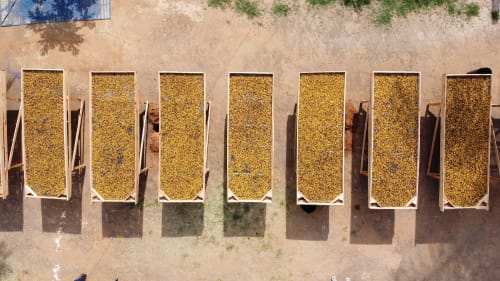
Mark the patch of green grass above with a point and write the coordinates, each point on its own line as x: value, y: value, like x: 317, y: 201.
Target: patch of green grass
x: 222, y: 4
x: 279, y: 253
x: 401, y: 8
x: 452, y: 9
x: 471, y: 10
x: 384, y: 18
x: 230, y: 247
x: 247, y: 7
x: 320, y: 2
x: 280, y: 9
x: 356, y: 4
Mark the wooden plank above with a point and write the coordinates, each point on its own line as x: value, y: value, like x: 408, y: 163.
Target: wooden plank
x: 4, y: 178
x: 114, y: 136
x: 182, y: 137
x: 465, y: 132
x: 320, y: 138
x: 46, y: 148
x: 250, y: 128
x: 394, y: 129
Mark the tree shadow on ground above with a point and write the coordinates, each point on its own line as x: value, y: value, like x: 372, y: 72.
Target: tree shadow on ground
x: 241, y: 219
x: 65, y: 36
x: 299, y: 224
x: 368, y: 226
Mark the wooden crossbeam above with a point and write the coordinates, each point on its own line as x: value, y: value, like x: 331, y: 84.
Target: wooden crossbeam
x: 365, y: 137
x: 14, y: 140
x: 434, y: 138
x: 78, y: 142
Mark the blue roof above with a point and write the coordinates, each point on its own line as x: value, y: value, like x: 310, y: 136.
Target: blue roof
x: 19, y: 12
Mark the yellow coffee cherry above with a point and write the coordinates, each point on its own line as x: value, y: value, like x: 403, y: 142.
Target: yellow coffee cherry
x: 250, y: 135
x: 182, y: 135
x: 113, y: 134
x: 320, y: 131
x: 466, y: 139
x: 395, y: 116
x: 44, y: 132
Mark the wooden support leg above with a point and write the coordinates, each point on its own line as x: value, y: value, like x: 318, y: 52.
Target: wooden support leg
x: 434, y: 138
x: 142, y: 154
x: 14, y: 140
x: 365, y: 136
x: 77, y: 144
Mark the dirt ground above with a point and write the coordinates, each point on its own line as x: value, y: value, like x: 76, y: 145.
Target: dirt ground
x: 57, y: 240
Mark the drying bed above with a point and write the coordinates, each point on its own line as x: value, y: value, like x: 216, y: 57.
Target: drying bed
x: 394, y: 140
x: 182, y: 125
x: 4, y: 184
x: 320, y: 138
x: 45, y: 116
x: 114, y: 136
x: 465, y: 133
x: 250, y: 137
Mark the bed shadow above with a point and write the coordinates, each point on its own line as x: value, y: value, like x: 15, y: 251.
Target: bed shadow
x: 368, y: 226
x: 63, y: 216
x: 182, y: 219
x: 11, y: 208
x: 241, y: 219
x: 301, y: 225
x: 451, y: 226
x: 124, y: 219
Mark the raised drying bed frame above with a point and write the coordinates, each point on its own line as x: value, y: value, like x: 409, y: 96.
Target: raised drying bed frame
x: 162, y: 197
x: 495, y: 142
x: 140, y: 149
x: 4, y: 164
x: 70, y: 150
x: 301, y: 199
x: 368, y: 132
x: 444, y: 204
x: 231, y: 197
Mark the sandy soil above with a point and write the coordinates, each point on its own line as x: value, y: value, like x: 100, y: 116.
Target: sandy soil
x: 56, y: 240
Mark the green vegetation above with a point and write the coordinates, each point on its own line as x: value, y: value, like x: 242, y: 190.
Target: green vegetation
x: 471, y: 10
x: 494, y: 16
x: 280, y: 9
x: 384, y: 10
x: 401, y: 8
x: 247, y: 7
x: 219, y: 3
x: 384, y: 18
x: 356, y: 4
x: 320, y: 2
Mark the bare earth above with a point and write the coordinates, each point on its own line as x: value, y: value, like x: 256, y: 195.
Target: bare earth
x: 56, y: 240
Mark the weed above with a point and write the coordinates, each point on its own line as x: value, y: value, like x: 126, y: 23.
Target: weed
x: 320, y: 2
x: 247, y: 7
x: 452, y: 9
x: 279, y: 253
x: 494, y: 15
x: 230, y: 247
x: 384, y: 18
x: 471, y: 10
x: 222, y: 4
x: 280, y: 9
x: 356, y: 4
x: 402, y: 8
